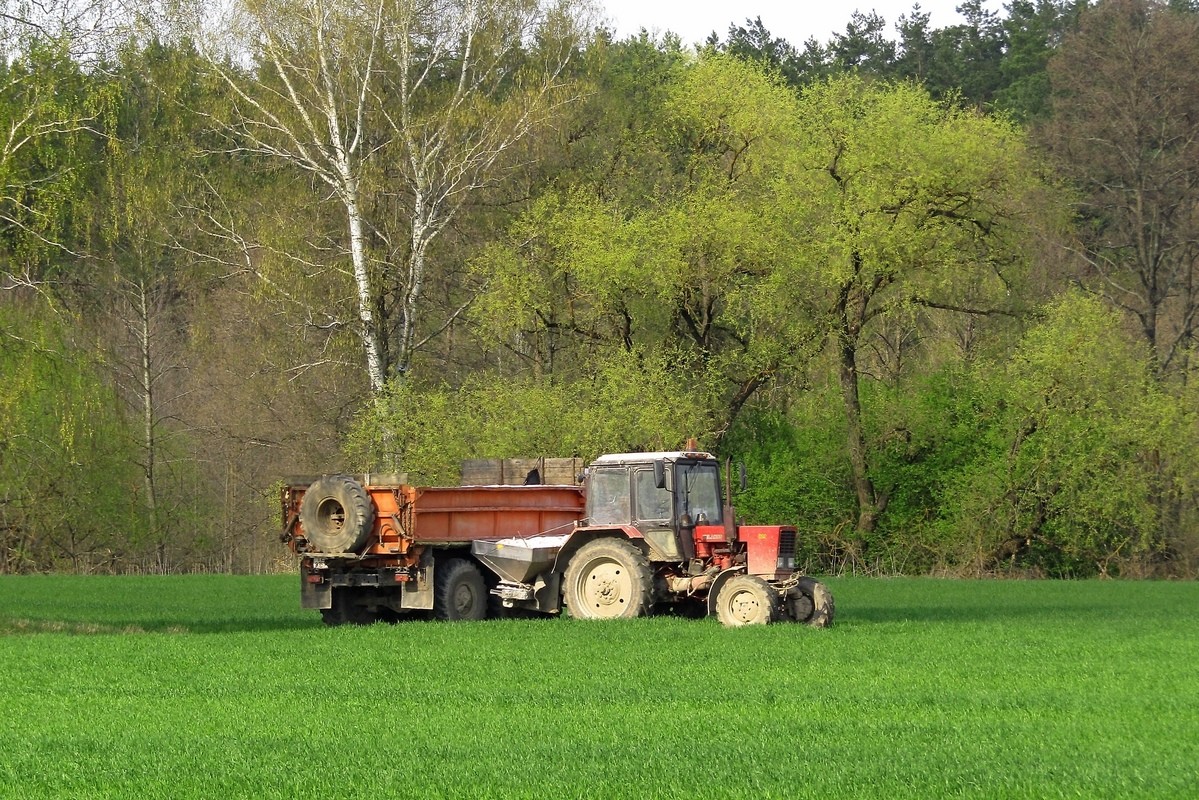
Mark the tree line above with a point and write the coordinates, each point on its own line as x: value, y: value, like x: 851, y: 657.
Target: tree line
x: 936, y: 289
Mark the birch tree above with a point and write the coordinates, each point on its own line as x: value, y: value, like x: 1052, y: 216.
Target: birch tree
x: 90, y: 29
x: 48, y: 122
x: 401, y: 110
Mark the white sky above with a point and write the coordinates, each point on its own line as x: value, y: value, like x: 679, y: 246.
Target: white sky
x: 793, y: 20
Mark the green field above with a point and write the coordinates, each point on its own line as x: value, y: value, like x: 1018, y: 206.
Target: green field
x: 213, y: 686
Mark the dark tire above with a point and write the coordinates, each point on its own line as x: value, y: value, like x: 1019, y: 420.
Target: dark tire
x: 345, y: 611
x: 337, y: 515
x: 747, y: 600
x: 608, y: 579
x: 458, y: 591
x: 810, y: 603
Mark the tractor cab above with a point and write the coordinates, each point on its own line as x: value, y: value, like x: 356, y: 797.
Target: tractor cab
x: 665, y: 496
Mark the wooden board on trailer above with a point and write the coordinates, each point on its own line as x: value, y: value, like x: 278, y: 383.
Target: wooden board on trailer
x: 516, y: 471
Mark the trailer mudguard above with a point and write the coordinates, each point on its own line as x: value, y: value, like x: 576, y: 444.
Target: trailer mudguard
x: 315, y: 595
x: 418, y: 594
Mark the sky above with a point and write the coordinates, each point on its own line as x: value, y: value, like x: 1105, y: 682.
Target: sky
x: 793, y: 20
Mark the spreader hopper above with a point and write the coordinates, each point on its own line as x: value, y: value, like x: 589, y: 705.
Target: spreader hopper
x: 518, y: 560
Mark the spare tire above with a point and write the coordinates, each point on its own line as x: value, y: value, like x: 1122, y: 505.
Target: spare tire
x: 337, y: 515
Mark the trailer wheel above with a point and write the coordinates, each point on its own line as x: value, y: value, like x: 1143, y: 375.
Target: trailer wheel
x: 608, y: 579
x: 810, y: 603
x: 458, y: 591
x: 337, y: 514
x: 746, y: 600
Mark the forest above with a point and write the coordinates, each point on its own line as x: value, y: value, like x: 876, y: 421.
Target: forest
x: 936, y: 288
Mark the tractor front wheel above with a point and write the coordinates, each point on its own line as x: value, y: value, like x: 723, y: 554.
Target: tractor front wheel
x: 608, y: 579
x: 810, y: 603
x: 746, y: 600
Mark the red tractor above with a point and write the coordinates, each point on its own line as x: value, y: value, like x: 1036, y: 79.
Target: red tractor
x: 645, y: 530
x: 657, y: 529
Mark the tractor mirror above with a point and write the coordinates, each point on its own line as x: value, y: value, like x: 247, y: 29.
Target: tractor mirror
x: 660, y: 474
x: 741, y: 474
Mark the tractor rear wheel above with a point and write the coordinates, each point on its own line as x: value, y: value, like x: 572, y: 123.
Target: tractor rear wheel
x: 608, y: 579
x: 458, y: 591
x: 746, y: 600
x: 810, y: 603
x: 337, y: 514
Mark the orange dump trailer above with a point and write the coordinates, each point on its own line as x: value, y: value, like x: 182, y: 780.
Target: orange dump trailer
x: 374, y: 547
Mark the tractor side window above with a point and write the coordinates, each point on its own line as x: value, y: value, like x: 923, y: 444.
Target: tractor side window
x: 652, y: 503
x: 608, y: 497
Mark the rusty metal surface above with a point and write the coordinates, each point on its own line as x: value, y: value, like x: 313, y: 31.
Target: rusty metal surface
x: 408, y: 516
x: 464, y: 514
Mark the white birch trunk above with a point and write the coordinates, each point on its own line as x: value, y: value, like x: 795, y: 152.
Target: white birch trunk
x: 146, y: 390
x: 375, y: 369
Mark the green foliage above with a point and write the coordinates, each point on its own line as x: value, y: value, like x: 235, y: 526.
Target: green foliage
x: 1032, y: 29
x: 898, y: 201
x: 728, y: 119
x: 905, y: 187
x: 682, y: 267
x: 989, y: 61
x: 900, y: 207
x: 753, y: 42
x: 1078, y: 433
x: 796, y: 473
x: 608, y: 150
x: 67, y: 476
x: 925, y: 431
x: 154, y: 133
x: 631, y: 401
x: 865, y: 45
x: 191, y: 686
x: 1063, y: 458
x: 50, y: 111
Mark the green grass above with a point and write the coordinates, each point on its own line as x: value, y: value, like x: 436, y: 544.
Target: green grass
x: 214, y: 686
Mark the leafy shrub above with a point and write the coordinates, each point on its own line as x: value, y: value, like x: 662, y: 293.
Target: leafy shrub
x: 924, y: 433
x: 1073, y: 475
x: 67, y: 470
x: 797, y: 474
x: 1067, y: 458
x: 631, y: 402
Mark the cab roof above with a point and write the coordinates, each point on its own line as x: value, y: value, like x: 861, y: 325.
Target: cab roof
x: 616, y: 459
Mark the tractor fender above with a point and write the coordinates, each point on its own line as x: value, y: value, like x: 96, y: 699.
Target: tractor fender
x: 718, y: 583
x: 581, y: 536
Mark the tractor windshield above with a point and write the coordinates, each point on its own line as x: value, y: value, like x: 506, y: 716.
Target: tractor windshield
x: 697, y: 492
